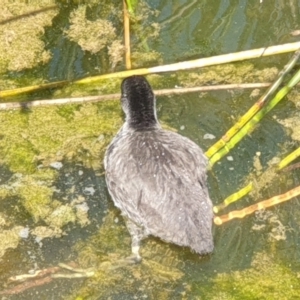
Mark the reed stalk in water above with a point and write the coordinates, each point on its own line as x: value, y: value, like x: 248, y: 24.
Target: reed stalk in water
x: 127, y: 33
x: 254, y: 109
x: 287, y: 160
x: 257, y: 206
x: 234, y: 197
x: 254, y: 121
x: 247, y: 189
x: 43, y: 102
x: 192, y: 64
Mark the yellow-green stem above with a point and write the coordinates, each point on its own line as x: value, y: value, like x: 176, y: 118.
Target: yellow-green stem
x: 234, y: 197
x: 255, y: 108
x: 289, y: 159
x: 255, y: 120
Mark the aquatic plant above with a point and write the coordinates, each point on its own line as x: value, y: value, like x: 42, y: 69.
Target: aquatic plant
x: 26, y: 29
x: 33, y: 140
x: 265, y: 279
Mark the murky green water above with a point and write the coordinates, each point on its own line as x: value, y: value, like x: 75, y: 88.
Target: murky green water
x: 52, y: 186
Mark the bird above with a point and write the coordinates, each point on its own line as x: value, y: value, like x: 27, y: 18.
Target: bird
x: 157, y: 177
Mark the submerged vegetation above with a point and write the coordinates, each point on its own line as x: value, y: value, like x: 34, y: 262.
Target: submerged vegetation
x: 35, y: 140
x: 229, y: 73
x: 21, y: 44
x: 39, y: 199
x: 43, y: 135
x: 266, y: 279
x: 100, y: 36
x: 160, y: 270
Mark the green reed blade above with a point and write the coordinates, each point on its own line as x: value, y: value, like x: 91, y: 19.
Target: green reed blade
x: 255, y: 120
x: 131, y: 5
x: 292, y: 156
x: 234, y: 197
x: 255, y: 108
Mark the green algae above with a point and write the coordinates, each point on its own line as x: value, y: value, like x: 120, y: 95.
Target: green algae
x: 116, y: 52
x: 277, y: 231
x: 144, y: 29
x: 266, y: 279
x: 61, y: 216
x: 21, y: 157
x: 108, y: 86
x: 35, y: 194
x: 14, y: 35
x: 36, y: 199
x: 33, y: 139
x: 292, y: 124
x: 41, y: 232
x: 4, y: 193
x: 111, y: 239
x: 244, y: 72
x: 294, y: 96
x: 9, y: 239
x: 149, y: 58
x: 92, y: 36
x: 3, y: 220
x: 159, y: 271
x: 48, y: 134
x: 67, y: 111
x: 98, y: 35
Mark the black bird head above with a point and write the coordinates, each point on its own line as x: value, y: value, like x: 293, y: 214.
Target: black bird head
x: 138, y: 103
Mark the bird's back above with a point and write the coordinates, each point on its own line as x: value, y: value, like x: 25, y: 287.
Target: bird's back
x: 158, y: 180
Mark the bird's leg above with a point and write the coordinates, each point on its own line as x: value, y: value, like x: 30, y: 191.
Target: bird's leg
x: 137, y: 234
x: 135, y: 247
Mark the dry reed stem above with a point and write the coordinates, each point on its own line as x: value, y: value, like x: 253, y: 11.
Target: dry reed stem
x: 17, y: 105
x: 257, y: 206
x: 127, y: 36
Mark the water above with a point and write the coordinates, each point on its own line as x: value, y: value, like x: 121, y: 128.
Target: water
x: 256, y: 257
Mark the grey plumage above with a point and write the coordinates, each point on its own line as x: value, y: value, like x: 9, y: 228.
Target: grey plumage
x: 157, y: 178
